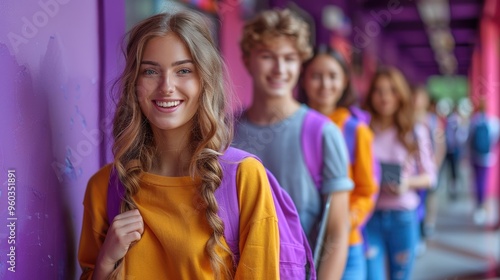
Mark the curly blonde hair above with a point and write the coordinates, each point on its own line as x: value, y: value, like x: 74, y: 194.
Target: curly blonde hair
x: 274, y: 23
x: 404, y: 116
x: 134, y: 147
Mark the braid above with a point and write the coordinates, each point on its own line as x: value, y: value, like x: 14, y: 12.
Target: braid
x: 210, y: 182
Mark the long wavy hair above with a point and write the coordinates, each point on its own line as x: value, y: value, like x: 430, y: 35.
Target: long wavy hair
x: 134, y: 147
x: 404, y: 119
x: 348, y: 97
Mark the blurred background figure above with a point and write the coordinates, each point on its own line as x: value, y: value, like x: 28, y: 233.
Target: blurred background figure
x: 425, y: 114
x: 483, y: 137
x: 405, y: 146
x: 276, y: 128
x: 326, y: 87
x: 456, y: 133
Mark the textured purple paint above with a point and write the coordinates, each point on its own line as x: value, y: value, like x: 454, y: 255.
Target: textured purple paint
x: 49, y: 80
x: 26, y: 147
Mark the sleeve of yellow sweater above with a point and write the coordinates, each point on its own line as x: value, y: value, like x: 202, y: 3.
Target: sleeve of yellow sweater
x: 259, y: 235
x: 362, y: 198
x: 95, y: 222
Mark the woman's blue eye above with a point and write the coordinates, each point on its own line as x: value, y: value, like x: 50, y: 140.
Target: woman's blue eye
x: 184, y: 71
x: 149, y: 72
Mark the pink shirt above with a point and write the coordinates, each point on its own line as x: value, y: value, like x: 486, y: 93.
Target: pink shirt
x: 388, y: 148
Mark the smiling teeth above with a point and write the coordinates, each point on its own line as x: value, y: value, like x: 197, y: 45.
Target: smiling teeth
x: 168, y: 104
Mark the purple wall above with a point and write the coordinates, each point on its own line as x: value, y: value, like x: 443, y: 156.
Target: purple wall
x: 50, y: 123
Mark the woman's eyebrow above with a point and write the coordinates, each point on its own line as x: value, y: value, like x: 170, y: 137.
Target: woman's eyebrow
x: 184, y: 61
x: 150, y: 63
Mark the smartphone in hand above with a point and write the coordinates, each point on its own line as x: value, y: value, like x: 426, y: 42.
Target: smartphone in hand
x: 391, y: 173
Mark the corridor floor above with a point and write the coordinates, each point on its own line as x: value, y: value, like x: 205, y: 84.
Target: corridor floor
x: 459, y: 249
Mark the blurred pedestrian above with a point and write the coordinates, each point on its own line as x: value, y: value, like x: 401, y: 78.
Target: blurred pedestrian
x: 326, y: 87
x: 404, y: 150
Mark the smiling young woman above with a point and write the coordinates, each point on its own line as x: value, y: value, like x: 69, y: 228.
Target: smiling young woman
x: 326, y: 87
x: 172, y: 124
x: 392, y: 231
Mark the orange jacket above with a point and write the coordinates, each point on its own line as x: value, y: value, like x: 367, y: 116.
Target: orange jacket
x: 361, y: 171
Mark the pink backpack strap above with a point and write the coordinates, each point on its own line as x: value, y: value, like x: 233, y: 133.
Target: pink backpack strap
x: 312, y: 144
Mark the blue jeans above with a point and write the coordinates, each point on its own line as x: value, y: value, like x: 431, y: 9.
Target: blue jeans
x: 355, y: 268
x: 392, y: 236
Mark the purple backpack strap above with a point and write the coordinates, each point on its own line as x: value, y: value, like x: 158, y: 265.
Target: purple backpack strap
x: 312, y: 144
x: 227, y: 198
x: 349, y: 130
x: 360, y: 114
x: 116, y: 191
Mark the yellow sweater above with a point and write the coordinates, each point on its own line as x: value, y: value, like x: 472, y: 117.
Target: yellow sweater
x: 362, y: 197
x: 176, y: 230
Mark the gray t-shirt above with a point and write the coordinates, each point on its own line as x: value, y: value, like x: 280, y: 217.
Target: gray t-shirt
x: 279, y: 147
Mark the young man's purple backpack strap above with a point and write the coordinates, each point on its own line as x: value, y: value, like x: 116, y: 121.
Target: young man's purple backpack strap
x: 295, y: 254
x: 312, y: 150
x: 312, y: 144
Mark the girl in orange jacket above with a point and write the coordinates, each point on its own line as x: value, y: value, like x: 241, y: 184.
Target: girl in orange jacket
x: 326, y: 88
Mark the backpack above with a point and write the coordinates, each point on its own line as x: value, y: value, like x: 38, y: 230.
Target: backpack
x: 481, y: 143
x: 311, y: 140
x: 311, y: 137
x: 358, y: 117
x: 295, y: 254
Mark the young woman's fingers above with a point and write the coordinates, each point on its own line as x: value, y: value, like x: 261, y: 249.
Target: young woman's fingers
x: 118, y: 223
x: 130, y: 227
x: 116, y: 245
x: 124, y: 240
x: 133, y: 237
x: 126, y: 229
x: 125, y: 215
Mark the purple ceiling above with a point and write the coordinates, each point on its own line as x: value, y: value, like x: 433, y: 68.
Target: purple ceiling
x: 407, y: 29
